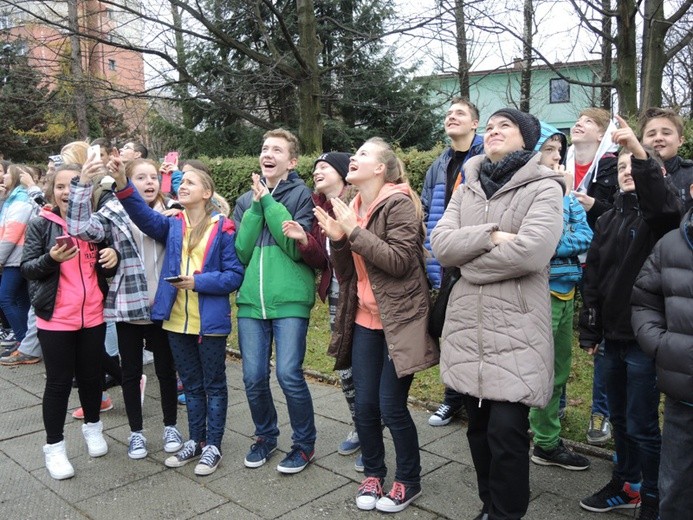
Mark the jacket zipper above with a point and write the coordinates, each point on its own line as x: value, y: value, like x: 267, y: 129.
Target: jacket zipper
x: 84, y: 287
x: 478, y: 323
x: 262, y: 276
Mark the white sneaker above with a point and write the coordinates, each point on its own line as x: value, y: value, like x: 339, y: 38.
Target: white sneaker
x: 93, y: 434
x: 137, y: 448
x: 173, y: 440
x: 56, y: 461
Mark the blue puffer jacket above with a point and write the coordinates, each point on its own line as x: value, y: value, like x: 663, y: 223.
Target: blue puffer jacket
x: 433, y: 201
x: 222, y: 272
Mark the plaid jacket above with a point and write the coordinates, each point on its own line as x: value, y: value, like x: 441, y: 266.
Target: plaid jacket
x: 127, y: 298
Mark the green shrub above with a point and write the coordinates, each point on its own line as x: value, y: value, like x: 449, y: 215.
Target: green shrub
x: 232, y: 175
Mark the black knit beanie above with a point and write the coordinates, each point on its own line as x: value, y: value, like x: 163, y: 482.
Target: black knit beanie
x: 529, y: 126
x: 338, y: 160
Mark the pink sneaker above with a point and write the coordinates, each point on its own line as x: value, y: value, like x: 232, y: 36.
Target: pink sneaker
x: 106, y: 404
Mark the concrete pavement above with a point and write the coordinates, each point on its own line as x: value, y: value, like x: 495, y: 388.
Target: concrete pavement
x: 114, y: 487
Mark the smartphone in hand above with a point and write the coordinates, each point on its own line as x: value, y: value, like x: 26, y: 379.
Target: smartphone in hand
x: 94, y: 152
x: 173, y: 279
x: 65, y: 240
x: 172, y: 158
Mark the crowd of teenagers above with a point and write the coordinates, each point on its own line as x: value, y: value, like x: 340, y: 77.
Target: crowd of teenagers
x: 480, y: 274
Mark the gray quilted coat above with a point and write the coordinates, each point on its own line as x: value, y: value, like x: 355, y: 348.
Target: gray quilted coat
x: 497, y: 341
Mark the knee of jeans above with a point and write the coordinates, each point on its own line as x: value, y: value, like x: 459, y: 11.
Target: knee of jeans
x: 291, y: 380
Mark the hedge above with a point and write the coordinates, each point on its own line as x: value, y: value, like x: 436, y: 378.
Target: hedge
x: 232, y: 174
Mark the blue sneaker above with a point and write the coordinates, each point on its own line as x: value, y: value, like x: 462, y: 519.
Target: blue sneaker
x: 260, y: 452
x: 181, y: 399
x: 358, y: 465
x: 296, y: 461
x: 350, y: 445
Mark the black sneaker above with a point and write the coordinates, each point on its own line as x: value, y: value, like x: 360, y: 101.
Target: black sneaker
x: 649, y: 508
x: 191, y: 450
x: 399, y: 497
x: 443, y: 415
x: 615, y: 495
x: 560, y: 456
x: 209, y: 461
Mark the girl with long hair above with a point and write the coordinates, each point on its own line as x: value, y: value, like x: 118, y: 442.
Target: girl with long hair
x: 17, y: 210
x: 199, y: 271
x: 376, y: 247
x: 131, y: 292
x: 67, y: 286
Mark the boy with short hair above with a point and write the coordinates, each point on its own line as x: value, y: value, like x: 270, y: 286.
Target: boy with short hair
x: 644, y: 210
x: 565, y: 272
x: 662, y: 129
x: 275, y: 300
x: 442, y: 178
x: 595, y: 185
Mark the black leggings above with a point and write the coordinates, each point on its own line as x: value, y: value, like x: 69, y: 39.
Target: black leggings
x: 67, y: 354
x: 131, y: 340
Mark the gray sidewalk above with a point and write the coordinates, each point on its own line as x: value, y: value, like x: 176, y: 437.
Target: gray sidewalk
x: 115, y: 487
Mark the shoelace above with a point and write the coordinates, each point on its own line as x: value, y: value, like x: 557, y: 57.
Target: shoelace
x: 187, y: 451
x: 397, y: 492
x: 258, y: 445
x: 371, y: 486
x: 171, y: 435
x: 353, y: 436
x: 598, y: 421
x: 443, y: 410
x: 136, y: 442
x: 209, y: 453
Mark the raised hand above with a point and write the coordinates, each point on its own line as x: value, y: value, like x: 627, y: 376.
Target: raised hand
x: 329, y: 225
x: 345, y: 216
x: 293, y: 229
x: 625, y: 137
x: 259, y: 187
x: 117, y: 170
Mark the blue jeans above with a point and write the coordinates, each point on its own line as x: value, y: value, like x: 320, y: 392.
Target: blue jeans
x: 676, y: 500
x: 202, y: 369
x: 14, y: 300
x: 600, y: 403
x: 631, y: 387
x: 379, y: 392
x: 255, y: 341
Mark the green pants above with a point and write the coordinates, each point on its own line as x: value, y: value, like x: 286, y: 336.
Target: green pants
x: 544, y: 421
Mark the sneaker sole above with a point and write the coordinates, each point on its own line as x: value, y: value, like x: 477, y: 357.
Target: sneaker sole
x: 395, y: 508
x: 439, y: 422
x: 173, y: 462
x: 15, y: 363
x: 610, y: 508
x: 598, y: 442
x: 545, y: 462
x: 251, y: 464
x: 291, y: 471
x: 98, y: 453
x: 202, y: 470
x: 367, y: 507
x: 174, y: 449
x: 348, y: 451
x: 137, y: 456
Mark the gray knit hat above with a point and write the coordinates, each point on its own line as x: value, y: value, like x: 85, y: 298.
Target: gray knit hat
x: 529, y: 126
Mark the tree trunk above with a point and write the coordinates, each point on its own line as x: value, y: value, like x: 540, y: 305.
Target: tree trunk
x: 655, y: 28
x: 309, y: 92
x: 461, y: 40
x: 80, y: 96
x: 626, y: 64
x: 607, y: 58
x: 526, y: 75
x: 181, y: 88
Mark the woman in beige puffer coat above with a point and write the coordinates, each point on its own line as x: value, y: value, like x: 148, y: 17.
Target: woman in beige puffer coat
x: 501, y: 229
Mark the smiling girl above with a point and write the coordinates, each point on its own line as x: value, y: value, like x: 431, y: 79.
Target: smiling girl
x: 131, y: 292
x: 193, y: 305
x: 377, y: 251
